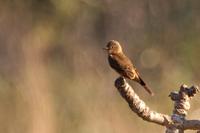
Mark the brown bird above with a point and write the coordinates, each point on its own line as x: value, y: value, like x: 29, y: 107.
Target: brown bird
x: 122, y: 64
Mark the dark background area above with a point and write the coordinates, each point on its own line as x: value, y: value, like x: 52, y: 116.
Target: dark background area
x: 54, y: 75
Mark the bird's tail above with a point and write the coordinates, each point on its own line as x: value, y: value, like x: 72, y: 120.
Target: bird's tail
x: 145, y: 87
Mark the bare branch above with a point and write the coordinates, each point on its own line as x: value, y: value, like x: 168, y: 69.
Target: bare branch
x: 181, y: 107
x: 182, y: 99
x: 138, y: 106
x: 175, y: 123
x: 191, y: 124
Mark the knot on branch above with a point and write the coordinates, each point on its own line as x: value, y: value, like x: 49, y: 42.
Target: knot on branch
x: 120, y: 82
x: 181, y: 99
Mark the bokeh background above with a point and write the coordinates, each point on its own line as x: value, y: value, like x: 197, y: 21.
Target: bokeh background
x: 54, y: 75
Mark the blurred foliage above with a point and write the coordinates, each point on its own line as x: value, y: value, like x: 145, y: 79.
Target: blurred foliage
x: 54, y: 76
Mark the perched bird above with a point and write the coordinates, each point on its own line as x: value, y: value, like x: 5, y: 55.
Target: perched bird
x: 122, y: 64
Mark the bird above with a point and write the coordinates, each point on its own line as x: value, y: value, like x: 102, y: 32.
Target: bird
x: 123, y: 65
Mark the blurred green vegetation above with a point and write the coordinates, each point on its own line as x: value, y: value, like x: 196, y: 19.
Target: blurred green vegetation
x: 54, y: 76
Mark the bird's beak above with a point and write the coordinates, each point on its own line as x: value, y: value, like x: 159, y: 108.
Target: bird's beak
x: 105, y: 48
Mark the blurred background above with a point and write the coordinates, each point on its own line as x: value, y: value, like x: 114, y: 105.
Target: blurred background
x: 54, y: 75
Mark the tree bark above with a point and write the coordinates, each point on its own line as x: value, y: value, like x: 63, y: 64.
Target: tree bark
x: 175, y: 123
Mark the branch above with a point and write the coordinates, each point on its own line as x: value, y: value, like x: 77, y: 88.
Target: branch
x: 181, y: 107
x: 191, y: 124
x: 174, y: 122
x: 138, y: 106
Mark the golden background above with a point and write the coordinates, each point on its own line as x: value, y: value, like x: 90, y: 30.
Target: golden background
x: 54, y: 75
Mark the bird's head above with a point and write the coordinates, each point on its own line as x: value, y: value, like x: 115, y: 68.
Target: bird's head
x: 113, y: 47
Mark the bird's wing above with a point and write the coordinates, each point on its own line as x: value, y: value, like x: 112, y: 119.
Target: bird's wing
x: 124, y: 66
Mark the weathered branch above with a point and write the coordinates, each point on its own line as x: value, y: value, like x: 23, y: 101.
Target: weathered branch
x: 181, y: 107
x: 138, y: 106
x: 191, y: 124
x: 176, y: 122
